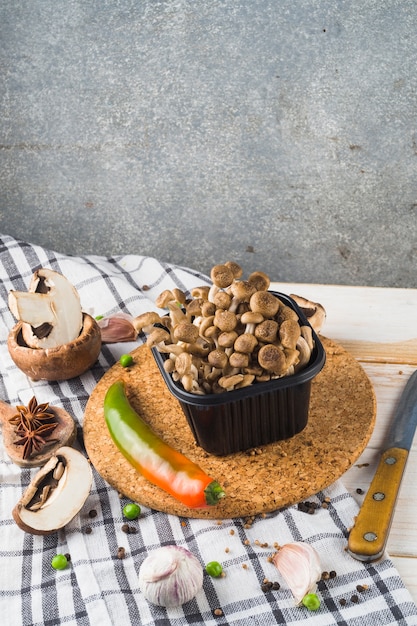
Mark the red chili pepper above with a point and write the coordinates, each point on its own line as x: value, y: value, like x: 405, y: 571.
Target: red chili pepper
x: 163, y: 466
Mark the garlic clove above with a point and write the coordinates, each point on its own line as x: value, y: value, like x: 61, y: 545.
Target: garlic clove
x: 117, y: 328
x: 299, y: 565
x: 170, y: 576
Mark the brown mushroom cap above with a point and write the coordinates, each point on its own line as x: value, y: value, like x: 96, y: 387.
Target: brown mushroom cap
x: 239, y: 359
x: 264, y: 302
x: 222, y: 300
x: 289, y: 333
x: 259, y: 280
x: 208, y: 309
x: 236, y: 269
x: 227, y: 339
x: 60, y: 363
x: 221, y: 276
x: 225, y: 320
x: 272, y: 358
x: 146, y: 319
x: 164, y: 298
x: 267, y: 331
x: 245, y: 343
x: 218, y: 359
x: 185, y: 331
x: 242, y: 290
x: 200, y: 292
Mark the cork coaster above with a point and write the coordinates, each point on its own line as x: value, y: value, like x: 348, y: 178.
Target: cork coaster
x: 341, y: 419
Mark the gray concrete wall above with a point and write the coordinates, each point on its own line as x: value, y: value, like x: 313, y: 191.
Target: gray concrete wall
x: 277, y: 133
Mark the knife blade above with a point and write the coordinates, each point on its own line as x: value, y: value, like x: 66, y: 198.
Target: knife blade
x: 369, y: 535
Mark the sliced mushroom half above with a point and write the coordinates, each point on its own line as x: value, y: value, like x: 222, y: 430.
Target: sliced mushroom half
x: 56, y: 493
x: 50, y: 311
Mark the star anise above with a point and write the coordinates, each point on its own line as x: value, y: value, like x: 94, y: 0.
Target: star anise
x: 32, y: 416
x: 33, y: 440
x: 33, y: 424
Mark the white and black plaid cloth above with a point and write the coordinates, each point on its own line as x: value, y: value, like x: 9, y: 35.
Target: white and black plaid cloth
x: 98, y: 588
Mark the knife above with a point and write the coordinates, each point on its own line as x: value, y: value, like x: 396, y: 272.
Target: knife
x: 369, y: 535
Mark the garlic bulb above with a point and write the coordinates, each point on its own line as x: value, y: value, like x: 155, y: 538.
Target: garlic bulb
x: 299, y: 565
x: 170, y: 576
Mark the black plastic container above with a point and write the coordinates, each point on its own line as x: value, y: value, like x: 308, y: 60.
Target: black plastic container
x: 234, y: 421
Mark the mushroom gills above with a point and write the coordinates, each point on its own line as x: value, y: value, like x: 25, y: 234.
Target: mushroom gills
x: 56, y: 493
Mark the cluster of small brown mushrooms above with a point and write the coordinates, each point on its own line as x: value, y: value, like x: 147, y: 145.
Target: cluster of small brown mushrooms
x: 231, y: 334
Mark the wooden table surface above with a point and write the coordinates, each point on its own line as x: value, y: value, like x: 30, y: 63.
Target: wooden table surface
x: 378, y: 326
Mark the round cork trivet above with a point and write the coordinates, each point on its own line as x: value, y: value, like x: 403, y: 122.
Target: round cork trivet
x: 341, y: 419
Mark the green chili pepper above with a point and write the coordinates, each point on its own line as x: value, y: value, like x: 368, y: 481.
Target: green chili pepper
x: 163, y: 466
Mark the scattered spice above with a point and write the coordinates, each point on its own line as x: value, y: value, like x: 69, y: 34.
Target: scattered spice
x: 355, y: 599
x: 217, y: 612
x: 129, y: 530
x: 88, y: 530
x: 308, y: 507
x: 342, y: 602
x: 92, y: 513
x: 359, y: 491
x: 121, y: 553
x: 361, y: 588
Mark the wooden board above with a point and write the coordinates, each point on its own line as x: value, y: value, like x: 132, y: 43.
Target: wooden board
x: 341, y: 419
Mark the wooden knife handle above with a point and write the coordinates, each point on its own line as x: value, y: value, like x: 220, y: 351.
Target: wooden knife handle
x: 368, y: 537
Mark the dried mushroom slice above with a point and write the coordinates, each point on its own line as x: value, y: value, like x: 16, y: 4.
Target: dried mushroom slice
x: 56, y: 493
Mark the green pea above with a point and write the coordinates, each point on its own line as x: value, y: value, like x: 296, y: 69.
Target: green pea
x: 214, y: 569
x: 99, y: 317
x: 131, y: 510
x: 59, y: 561
x: 126, y: 360
x: 311, y: 601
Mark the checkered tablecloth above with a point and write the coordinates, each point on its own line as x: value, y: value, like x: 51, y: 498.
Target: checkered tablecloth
x: 98, y: 588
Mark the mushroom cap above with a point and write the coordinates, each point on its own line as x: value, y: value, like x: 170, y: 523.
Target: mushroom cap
x: 158, y: 335
x: 314, y: 311
x: 239, y: 359
x: 242, y: 290
x: 164, y: 298
x: 267, y: 331
x: 246, y: 343
x: 251, y: 317
x: 235, y: 268
x: 289, y: 332
x: 264, y: 302
x: 222, y: 300
x: 225, y: 320
x: 186, y: 331
x: 218, y: 358
x: 227, y: 339
x: 146, y: 319
x: 200, y: 292
x: 272, y: 358
x: 61, y: 363
x: 208, y: 309
x: 259, y: 280
x: 221, y: 276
